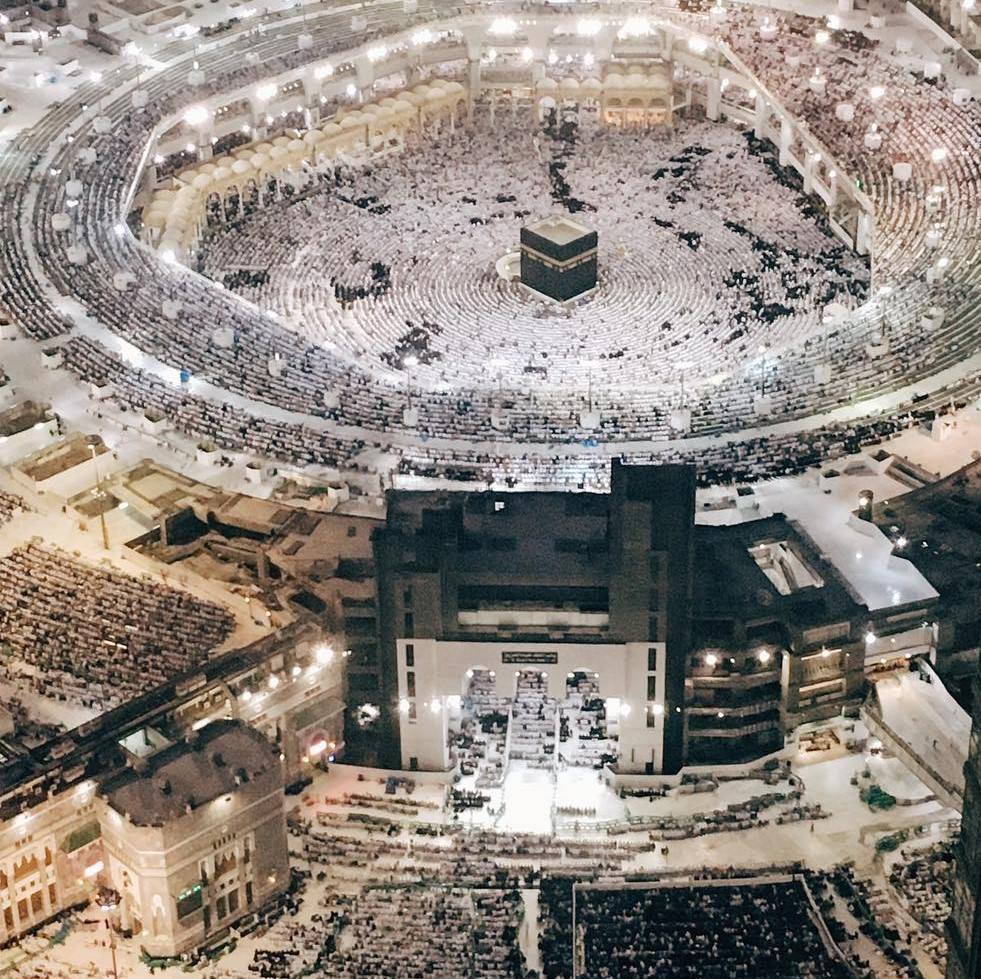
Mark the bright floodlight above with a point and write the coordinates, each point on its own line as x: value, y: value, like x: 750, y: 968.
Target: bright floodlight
x: 939, y: 154
x: 503, y: 27
x: 527, y: 54
x: 822, y: 37
x: 323, y: 71
x: 403, y: 706
x: 196, y: 115
x: 266, y: 91
x: 422, y: 37
x: 698, y: 45
x: 635, y: 27
x: 588, y: 27
x: 377, y: 53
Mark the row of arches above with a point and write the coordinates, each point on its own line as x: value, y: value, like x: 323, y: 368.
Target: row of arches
x: 259, y: 173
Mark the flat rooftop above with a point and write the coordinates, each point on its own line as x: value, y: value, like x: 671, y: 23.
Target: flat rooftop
x: 20, y: 417
x: 559, y: 229
x: 222, y: 757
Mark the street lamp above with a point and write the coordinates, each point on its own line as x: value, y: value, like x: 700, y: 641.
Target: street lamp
x: 99, y: 495
x: 108, y: 900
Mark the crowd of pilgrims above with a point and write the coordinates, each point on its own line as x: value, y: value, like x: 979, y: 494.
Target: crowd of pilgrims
x: 376, y: 892
x: 704, y: 255
x: 705, y: 932
x: 76, y: 632
x: 913, y: 116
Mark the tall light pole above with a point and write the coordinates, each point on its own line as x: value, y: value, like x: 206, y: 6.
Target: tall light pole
x: 763, y: 349
x: 108, y: 900
x: 100, y: 496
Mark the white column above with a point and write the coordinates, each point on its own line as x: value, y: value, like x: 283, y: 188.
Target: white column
x: 864, y: 232
x: 810, y: 161
x: 786, y: 141
x: 365, y: 72
x: 760, y: 117
x: 714, y: 100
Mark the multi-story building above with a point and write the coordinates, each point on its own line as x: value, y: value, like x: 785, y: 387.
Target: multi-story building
x: 194, y: 833
x: 708, y: 643
x: 778, y: 639
x: 196, y: 823
x: 557, y: 581
x: 964, y: 925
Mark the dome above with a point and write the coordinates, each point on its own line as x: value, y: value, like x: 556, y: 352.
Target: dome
x: 201, y: 181
x: 259, y: 160
x: 354, y: 121
x: 278, y: 152
x: 548, y: 84
x: 331, y: 129
x: 311, y: 137
x: 569, y: 85
x: 222, y: 173
x: 281, y: 141
x: 296, y: 146
x: 240, y: 166
x: 614, y: 80
x: 591, y: 85
x: 263, y: 148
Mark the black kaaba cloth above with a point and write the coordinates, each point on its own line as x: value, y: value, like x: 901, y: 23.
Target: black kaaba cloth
x: 559, y: 258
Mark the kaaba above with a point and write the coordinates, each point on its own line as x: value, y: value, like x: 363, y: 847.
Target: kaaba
x: 558, y: 258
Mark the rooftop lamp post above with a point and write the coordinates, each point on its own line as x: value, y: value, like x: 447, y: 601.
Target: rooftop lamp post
x: 108, y: 900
